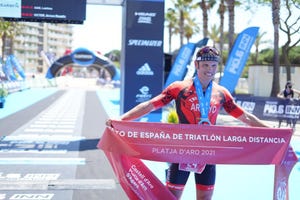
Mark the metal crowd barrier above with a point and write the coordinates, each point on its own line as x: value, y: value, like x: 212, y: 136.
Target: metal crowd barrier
x: 20, y: 85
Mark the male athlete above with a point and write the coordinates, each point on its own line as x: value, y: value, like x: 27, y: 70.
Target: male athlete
x: 198, y: 101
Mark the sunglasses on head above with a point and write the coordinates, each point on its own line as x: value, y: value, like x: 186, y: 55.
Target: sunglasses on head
x: 206, y: 50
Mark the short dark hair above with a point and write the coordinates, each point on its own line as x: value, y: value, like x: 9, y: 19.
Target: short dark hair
x: 288, y: 83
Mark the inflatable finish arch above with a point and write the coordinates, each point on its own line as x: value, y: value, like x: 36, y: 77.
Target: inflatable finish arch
x: 86, y: 58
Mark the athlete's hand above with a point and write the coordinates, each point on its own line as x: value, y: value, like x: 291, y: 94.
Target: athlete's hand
x: 108, y: 123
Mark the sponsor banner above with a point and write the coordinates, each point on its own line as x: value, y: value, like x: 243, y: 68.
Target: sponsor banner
x: 83, y: 57
x: 238, y: 57
x: 271, y: 108
x: 136, y: 179
x: 17, y: 66
x: 11, y: 67
x: 282, y: 173
x: 143, y: 57
x: 191, y: 143
x: 8, y: 70
x: 188, y: 143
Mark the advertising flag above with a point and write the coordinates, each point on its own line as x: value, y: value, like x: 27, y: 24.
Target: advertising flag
x: 8, y: 70
x: 17, y: 66
x: 238, y: 57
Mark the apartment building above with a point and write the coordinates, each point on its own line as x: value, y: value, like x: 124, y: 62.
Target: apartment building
x: 35, y: 37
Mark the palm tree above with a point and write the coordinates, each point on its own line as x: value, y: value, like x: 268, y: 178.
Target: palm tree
x: 172, y: 21
x: 205, y: 7
x: 182, y: 10
x: 214, y: 34
x: 258, y: 41
x: 182, y: 7
x: 190, y: 28
x: 276, y: 62
x: 221, y: 11
x: 230, y: 6
x: 8, y: 30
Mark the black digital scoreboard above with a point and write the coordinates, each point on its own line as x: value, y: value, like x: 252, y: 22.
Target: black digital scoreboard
x: 52, y: 11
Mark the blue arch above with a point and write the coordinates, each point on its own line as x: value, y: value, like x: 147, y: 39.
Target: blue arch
x: 85, y: 58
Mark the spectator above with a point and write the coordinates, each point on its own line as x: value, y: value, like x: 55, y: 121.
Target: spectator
x: 288, y: 93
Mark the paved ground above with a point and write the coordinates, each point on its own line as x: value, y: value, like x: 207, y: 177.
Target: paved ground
x: 48, y: 150
x: 233, y: 181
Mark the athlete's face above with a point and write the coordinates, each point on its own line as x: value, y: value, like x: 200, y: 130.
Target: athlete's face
x: 206, y: 70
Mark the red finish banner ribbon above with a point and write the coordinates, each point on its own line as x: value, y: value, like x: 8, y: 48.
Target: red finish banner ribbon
x: 128, y: 142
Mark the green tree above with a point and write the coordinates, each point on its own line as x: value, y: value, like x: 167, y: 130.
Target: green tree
x: 275, y: 8
x: 265, y: 56
x: 230, y: 7
x: 114, y: 56
x: 182, y: 9
x: 257, y: 43
x: 190, y: 28
x: 276, y: 62
x: 8, y: 30
x: 172, y: 21
x: 214, y: 34
x: 205, y: 6
x: 290, y: 27
x: 221, y: 11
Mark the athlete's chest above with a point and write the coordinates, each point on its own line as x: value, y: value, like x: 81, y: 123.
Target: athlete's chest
x: 189, y: 98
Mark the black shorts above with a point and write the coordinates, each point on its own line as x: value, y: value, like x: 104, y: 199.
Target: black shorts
x: 180, y: 177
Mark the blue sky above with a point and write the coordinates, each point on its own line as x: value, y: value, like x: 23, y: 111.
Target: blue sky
x: 102, y: 29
